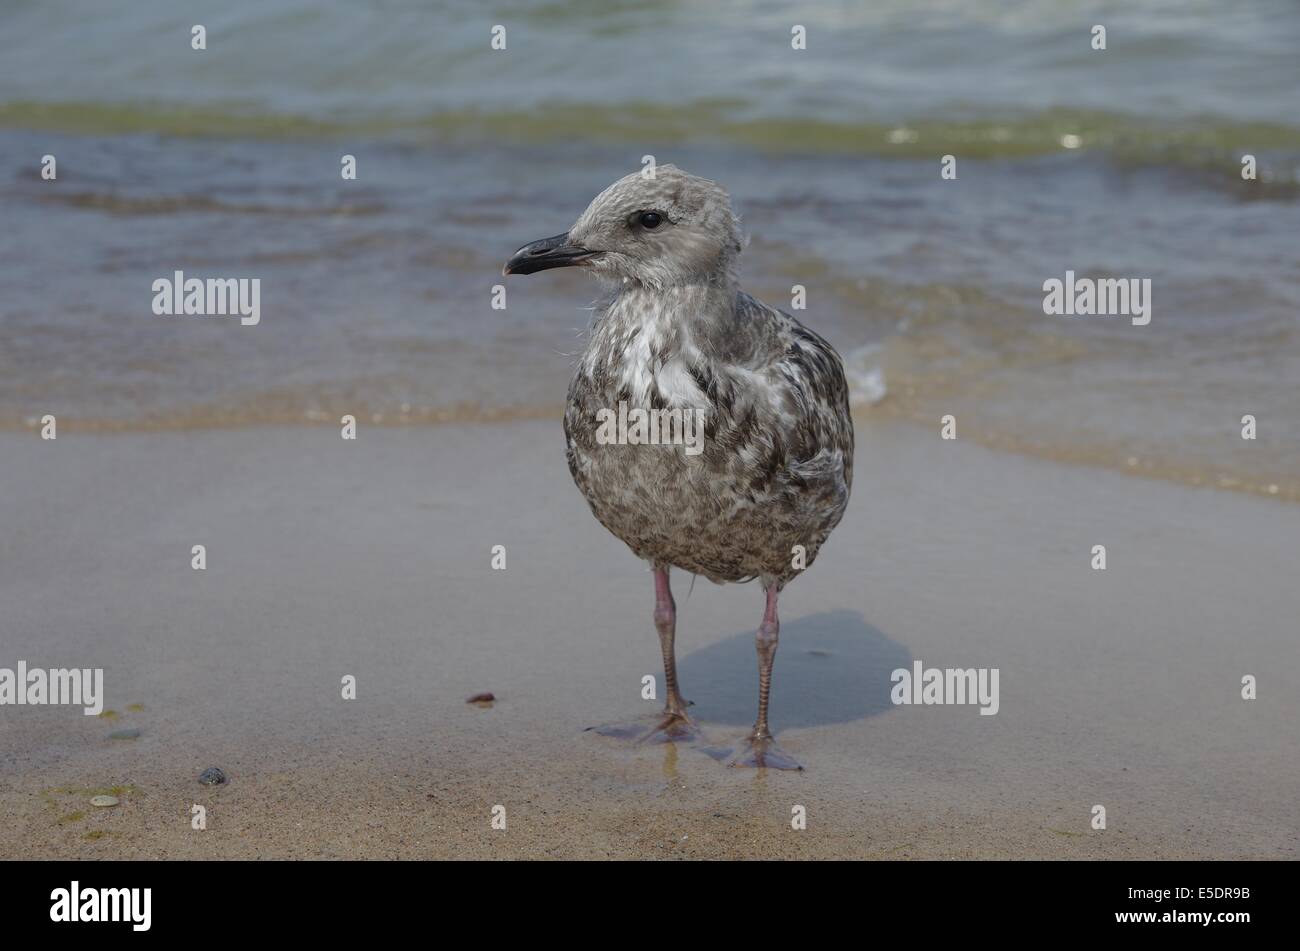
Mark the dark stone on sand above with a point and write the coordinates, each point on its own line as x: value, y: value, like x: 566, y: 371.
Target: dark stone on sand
x: 483, y: 699
x: 212, y: 776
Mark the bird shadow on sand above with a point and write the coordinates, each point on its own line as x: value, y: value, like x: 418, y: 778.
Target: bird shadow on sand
x: 831, y: 667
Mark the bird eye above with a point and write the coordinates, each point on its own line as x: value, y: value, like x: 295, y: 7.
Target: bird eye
x: 650, y: 219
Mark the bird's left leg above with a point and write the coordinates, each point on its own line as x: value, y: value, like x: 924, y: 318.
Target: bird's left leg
x: 760, y: 748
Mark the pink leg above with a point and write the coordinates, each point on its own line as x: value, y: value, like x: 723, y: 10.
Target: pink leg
x: 666, y: 625
x: 675, y: 723
x: 760, y: 749
x: 768, y: 635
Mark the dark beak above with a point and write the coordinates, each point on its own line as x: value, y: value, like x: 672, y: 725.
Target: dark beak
x: 546, y: 253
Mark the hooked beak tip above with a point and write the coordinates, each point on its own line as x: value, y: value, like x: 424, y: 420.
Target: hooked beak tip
x: 547, y: 253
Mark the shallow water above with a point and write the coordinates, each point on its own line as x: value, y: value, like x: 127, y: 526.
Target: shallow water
x: 376, y: 293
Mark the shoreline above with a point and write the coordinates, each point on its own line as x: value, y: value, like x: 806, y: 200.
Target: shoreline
x: 875, y: 414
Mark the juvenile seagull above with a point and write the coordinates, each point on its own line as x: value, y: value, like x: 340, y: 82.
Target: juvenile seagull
x: 676, y: 332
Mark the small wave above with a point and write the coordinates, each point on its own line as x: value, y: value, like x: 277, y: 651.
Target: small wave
x: 866, y: 375
x: 202, y: 417
x: 1128, y: 138
x: 119, y: 204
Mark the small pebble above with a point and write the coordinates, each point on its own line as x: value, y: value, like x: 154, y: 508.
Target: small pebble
x: 212, y: 776
x: 484, y: 699
x: 124, y: 735
x: 104, y: 801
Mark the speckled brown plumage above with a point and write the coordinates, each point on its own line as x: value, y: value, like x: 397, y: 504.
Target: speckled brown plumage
x: 777, y: 461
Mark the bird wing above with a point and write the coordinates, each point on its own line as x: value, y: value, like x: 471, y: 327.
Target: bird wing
x: 790, y: 406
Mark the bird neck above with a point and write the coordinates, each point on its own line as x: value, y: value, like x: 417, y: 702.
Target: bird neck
x: 671, y: 319
x: 644, y: 342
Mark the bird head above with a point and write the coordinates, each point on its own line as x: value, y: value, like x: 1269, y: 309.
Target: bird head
x: 663, y: 231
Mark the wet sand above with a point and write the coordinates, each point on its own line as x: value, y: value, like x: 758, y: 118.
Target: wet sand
x: 373, y: 559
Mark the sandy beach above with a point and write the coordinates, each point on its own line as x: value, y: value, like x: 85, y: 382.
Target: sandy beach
x: 372, y: 558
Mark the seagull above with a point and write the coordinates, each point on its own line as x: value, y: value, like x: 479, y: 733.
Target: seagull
x: 677, y: 339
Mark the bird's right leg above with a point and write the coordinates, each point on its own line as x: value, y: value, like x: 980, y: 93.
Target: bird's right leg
x: 675, y: 722
x: 666, y: 625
